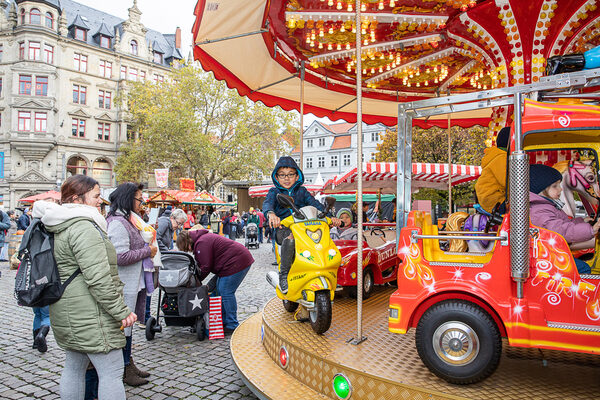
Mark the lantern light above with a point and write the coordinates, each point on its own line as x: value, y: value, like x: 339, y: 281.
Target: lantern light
x: 341, y: 386
x: 283, y: 357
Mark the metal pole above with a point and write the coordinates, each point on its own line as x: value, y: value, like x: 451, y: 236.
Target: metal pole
x: 400, y: 134
x: 301, y: 161
x: 359, y: 165
x: 449, y: 168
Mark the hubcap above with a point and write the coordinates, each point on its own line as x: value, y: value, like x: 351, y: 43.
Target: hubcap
x: 313, y: 316
x: 368, y: 282
x: 456, y: 343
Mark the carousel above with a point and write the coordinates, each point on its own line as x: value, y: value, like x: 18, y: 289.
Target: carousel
x: 404, y: 63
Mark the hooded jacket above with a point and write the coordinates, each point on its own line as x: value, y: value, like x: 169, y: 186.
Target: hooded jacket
x: 545, y: 215
x: 88, y: 316
x: 491, y: 185
x: 297, y: 192
x: 218, y: 254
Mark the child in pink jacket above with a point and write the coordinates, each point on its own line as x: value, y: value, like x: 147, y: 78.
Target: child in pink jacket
x: 546, y: 210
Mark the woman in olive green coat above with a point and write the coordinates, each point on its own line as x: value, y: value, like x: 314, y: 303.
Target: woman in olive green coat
x: 87, y: 319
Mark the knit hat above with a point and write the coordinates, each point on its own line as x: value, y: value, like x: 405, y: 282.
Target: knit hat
x: 502, y: 137
x: 344, y: 211
x: 541, y: 176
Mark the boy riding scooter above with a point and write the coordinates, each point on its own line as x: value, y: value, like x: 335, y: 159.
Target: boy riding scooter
x: 287, y: 179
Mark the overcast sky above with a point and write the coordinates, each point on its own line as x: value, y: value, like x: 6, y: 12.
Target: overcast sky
x: 164, y: 17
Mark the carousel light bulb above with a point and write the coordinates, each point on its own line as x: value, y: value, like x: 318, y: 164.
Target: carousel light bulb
x: 353, y: 29
x: 484, y: 87
x: 330, y: 3
x: 292, y: 23
x: 363, y: 31
x: 372, y: 70
x: 392, y: 3
x: 380, y: 69
x: 426, y: 83
x: 380, y: 6
x: 408, y: 84
x: 312, y: 44
x: 320, y: 45
x: 363, y: 7
x: 321, y: 33
x: 410, y: 75
x: 339, y: 46
x: 308, y: 39
x: 366, y: 42
x: 342, y: 28
x: 364, y: 71
x: 329, y: 46
x: 330, y: 30
x: 391, y: 56
x: 435, y: 80
x: 347, y: 46
x: 388, y: 67
x: 339, y: 5
x: 350, y: 9
x: 418, y: 84
x: 418, y: 73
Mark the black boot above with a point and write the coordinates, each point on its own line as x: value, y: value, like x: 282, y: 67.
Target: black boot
x: 287, y: 258
x: 40, y: 339
x: 35, y: 332
x: 565, y: 63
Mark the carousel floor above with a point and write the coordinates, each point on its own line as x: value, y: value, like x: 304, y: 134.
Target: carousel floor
x: 386, y: 365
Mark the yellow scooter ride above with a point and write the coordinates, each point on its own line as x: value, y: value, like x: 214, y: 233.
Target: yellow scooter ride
x: 312, y: 278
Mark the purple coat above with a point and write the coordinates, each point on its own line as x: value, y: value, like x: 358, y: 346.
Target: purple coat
x: 545, y: 215
x: 218, y: 254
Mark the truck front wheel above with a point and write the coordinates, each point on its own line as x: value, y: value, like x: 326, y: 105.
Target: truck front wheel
x: 459, y: 342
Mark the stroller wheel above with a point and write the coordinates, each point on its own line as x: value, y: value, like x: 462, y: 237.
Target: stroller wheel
x: 200, y: 328
x: 150, y: 324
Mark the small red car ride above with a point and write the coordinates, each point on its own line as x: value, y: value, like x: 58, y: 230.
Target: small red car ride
x: 526, y: 287
x: 380, y: 262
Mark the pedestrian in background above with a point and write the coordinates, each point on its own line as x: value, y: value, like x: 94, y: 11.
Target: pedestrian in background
x: 131, y: 249
x: 167, y: 226
x: 24, y: 220
x: 215, y: 220
x: 227, y: 225
x: 10, y: 235
x: 261, y: 224
x: 4, y: 227
x: 86, y: 320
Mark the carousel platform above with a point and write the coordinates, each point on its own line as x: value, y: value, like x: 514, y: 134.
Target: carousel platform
x: 386, y: 365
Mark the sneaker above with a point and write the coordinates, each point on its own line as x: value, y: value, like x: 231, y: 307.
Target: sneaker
x: 283, y: 285
x: 141, y: 326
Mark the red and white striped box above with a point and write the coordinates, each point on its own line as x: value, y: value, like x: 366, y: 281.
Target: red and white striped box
x: 215, y: 319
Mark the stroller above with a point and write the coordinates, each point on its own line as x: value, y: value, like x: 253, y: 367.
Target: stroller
x: 251, y: 236
x: 181, y: 297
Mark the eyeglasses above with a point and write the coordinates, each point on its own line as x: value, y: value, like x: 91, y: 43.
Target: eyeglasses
x: 287, y: 176
x: 139, y: 199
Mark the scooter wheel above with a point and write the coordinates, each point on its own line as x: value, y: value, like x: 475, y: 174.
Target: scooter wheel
x: 320, y: 316
x: 290, y: 306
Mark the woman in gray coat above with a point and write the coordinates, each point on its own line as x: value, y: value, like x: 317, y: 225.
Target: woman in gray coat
x: 131, y: 251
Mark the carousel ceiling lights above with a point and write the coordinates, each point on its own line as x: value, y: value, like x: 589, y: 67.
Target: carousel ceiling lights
x: 464, y: 70
x: 349, y: 16
x: 379, y: 47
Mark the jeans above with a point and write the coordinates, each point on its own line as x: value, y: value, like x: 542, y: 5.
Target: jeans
x: 233, y: 232
x: 226, y: 287
x: 110, y: 375
x: 147, y: 315
x: 582, y: 267
x: 260, y: 234
x: 91, y: 384
x: 41, y: 318
x: 127, y: 350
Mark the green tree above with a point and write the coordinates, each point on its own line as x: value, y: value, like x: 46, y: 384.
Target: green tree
x: 200, y: 129
x: 431, y: 146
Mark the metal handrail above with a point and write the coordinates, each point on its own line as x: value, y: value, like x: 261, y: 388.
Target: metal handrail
x: 457, y: 232
x: 465, y: 237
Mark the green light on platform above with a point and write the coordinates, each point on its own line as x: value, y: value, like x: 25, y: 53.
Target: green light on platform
x: 341, y: 386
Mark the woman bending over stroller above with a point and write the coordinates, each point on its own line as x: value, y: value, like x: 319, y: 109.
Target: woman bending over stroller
x: 229, y: 260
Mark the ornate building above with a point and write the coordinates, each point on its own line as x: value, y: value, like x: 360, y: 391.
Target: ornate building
x: 62, y: 64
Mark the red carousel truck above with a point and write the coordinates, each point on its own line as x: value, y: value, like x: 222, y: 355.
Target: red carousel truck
x: 526, y: 288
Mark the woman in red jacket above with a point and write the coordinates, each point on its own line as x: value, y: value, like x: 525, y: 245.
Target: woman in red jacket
x: 229, y: 260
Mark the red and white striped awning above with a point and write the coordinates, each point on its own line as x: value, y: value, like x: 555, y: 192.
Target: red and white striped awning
x: 261, y: 191
x: 383, y: 175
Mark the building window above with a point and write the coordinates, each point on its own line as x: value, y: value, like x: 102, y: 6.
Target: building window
x: 78, y: 127
x: 0, y: 87
x: 321, y: 142
x: 142, y: 76
x: 24, y: 121
x: 80, y: 34
x: 373, y: 156
x: 321, y: 161
x: 79, y: 94
x: 1, y: 164
x: 104, y: 41
x: 309, y: 163
x: 34, y: 50
x: 374, y: 136
x: 40, y: 122
x: 49, y: 20
x: 25, y: 84
x: 76, y: 166
x: 133, y: 73
x: 309, y: 143
x: 158, y: 78
x: 334, y: 161
x: 346, y: 160
x: 35, y: 17
x: 22, y: 16
x: 80, y: 62
x: 102, y: 172
x: 104, y: 99
x: 21, y: 50
x: 103, y: 131
x: 134, y: 47
x: 49, y: 54
x: 158, y: 58
x: 1, y: 51
x: 41, y: 86
x: 123, y: 72
x: 105, y: 68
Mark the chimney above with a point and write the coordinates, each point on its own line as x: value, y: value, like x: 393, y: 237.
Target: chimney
x: 178, y: 38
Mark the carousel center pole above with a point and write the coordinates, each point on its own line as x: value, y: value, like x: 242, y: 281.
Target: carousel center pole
x: 301, y: 114
x: 359, y: 200
x: 449, y: 168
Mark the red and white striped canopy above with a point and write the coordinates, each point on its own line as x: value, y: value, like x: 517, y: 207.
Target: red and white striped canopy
x: 383, y: 175
x: 261, y: 191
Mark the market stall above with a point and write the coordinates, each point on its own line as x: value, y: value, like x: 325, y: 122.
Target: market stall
x: 51, y: 195
x: 186, y: 197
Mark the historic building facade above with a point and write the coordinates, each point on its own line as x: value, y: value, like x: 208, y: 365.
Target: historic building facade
x: 62, y: 65
x: 330, y: 150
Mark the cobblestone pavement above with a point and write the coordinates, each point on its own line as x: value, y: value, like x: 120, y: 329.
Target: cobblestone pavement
x: 181, y: 366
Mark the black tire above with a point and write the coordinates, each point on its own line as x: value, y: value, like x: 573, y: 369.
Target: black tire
x: 368, y: 285
x: 200, y: 334
x: 290, y: 306
x: 320, y: 316
x: 456, y: 323
x: 150, y: 324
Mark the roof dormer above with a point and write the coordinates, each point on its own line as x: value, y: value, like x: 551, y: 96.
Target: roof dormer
x: 79, y: 28
x: 104, y: 36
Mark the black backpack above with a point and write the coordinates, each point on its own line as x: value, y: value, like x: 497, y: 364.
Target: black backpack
x: 38, y: 283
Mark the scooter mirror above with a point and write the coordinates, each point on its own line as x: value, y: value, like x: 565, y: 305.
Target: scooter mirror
x: 288, y: 201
